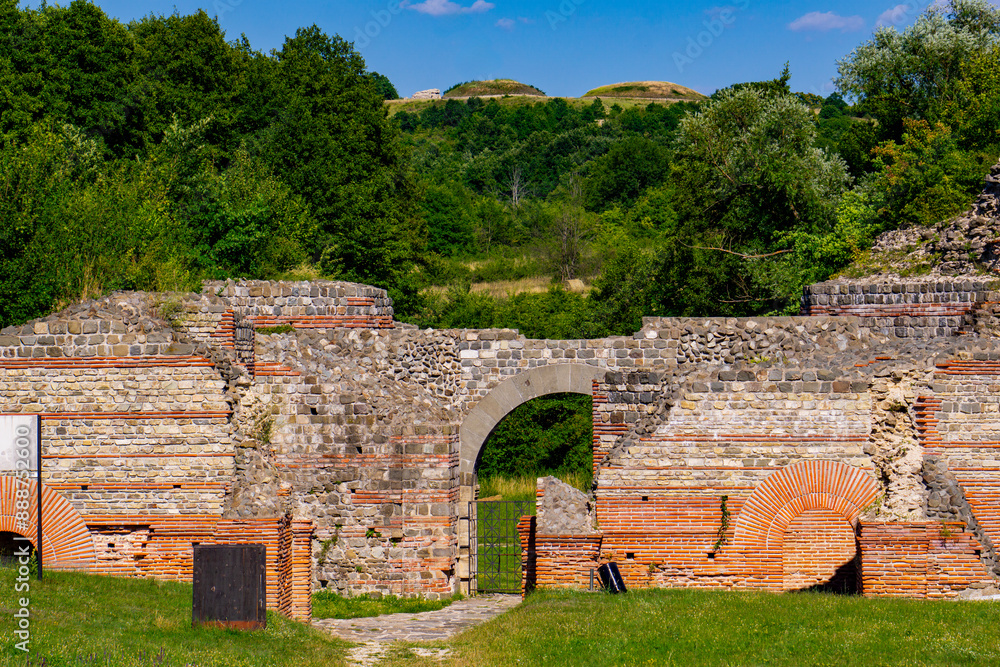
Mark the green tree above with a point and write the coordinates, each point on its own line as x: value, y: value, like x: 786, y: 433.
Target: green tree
x: 548, y: 435
x: 384, y: 86
x: 35, y: 178
x: 747, y: 173
x: 624, y: 293
x: 976, y: 120
x: 76, y: 227
x: 926, y: 177
x: 188, y: 71
x: 448, y: 211
x: 774, y: 88
x: 71, y: 63
x: 917, y: 73
x: 621, y: 176
x: 331, y: 141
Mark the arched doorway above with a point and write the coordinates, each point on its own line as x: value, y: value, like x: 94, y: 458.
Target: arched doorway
x: 548, y: 435
x: 481, y: 422
x: 505, y: 397
x: 819, y: 552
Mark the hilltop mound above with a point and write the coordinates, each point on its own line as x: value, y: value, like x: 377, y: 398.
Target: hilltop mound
x: 653, y: 90
x: 493, y: 87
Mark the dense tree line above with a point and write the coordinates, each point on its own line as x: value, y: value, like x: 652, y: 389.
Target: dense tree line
x: 731, y: 206
x: 155, y: 154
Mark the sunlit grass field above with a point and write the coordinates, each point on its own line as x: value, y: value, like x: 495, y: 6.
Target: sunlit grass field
x: 691, y: 627
x: 82, y: 620
x: 524, y: 487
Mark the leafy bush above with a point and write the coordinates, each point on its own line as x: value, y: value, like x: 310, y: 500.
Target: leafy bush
x: 927, y: 177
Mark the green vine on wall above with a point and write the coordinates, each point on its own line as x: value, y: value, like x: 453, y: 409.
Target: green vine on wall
x: 723, y: 524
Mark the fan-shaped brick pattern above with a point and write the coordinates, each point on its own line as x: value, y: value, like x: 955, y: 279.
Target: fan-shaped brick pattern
x: 799, y: 488
x: 66, y: 542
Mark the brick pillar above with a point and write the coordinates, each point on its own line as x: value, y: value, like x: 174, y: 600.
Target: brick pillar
x: 526, y: 531
x: 301, y: 579
x: 284, y: 567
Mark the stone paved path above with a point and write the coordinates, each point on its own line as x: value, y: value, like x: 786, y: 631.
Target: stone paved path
x: 376, y: 634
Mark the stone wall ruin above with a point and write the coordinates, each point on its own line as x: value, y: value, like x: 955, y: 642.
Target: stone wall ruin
x: 303, y: 416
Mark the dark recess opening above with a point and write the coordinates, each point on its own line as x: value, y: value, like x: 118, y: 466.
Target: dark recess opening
x: 10, y: 544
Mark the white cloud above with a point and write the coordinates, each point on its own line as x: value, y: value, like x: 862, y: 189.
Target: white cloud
x: 897, y: 15
x: 506, y: 24
x: 447, y: 7
x: 826, y: 21
x: 525, y: 20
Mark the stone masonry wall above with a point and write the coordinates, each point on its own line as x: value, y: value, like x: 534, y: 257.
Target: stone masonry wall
x: 926, y: 309
x: 367, y: 454
x: 169, y: 419
x: 137, y: 429
x: 311, y: 305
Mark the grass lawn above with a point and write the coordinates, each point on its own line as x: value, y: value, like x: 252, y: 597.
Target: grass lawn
x: 330, y: 605
x: 85, y: 620
x: 688, y: 627
x: 524, y: 487
x: 82, y: 620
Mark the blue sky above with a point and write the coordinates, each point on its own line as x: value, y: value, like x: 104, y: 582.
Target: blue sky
x: 567, y: 47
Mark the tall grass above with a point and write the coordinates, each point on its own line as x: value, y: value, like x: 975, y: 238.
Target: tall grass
x: 524, y: 487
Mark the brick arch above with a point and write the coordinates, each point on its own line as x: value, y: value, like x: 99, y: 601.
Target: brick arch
x: 798, y: 488
x: 502, y: 399
x: 66, y: 541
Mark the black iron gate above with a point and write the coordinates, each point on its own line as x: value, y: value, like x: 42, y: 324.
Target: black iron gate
x: 495, y: 546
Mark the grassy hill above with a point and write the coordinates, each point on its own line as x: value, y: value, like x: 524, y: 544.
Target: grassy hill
x: 647, y: 90
x: 492, y: 87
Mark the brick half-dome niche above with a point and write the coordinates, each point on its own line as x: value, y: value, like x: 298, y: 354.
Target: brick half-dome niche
x: 66, y: 542
x: 804, y: 486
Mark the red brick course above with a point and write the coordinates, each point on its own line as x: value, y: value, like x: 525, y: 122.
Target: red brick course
x: 929, y: 559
